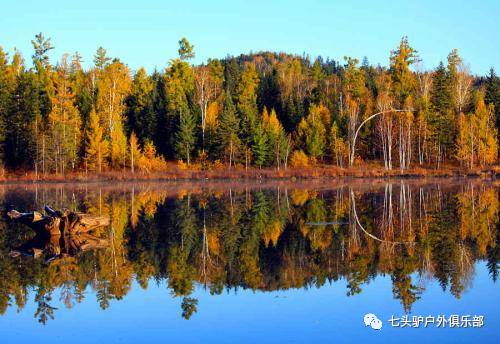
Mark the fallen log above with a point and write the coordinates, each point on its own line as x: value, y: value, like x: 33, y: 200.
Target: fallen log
x: 59, y: 233
x: 59, y: 222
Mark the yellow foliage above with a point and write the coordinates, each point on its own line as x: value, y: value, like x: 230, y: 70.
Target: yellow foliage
x: 272, y: 233
x: 213, y: 111
x: 218, y: 165
x: 300, y: 197
x: 182, y: 165
x: 271, y: 122
x: 299, y: 159
x: 147, y: 160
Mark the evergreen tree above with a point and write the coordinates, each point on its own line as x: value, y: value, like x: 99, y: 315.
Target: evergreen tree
x: 492, y: 94
x: 185, y: 137
x: 100, y: 58
x: 179, y: 89
x: 21, y: 123
x: 441, y: 118
x: 227, y: 131
x: 402, y: 78
x: 247, y: 102
x: 141, y: 117
x: 260, y: 147
x: 312, y: 131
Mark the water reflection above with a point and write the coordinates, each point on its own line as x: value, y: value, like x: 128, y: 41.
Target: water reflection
x: 271, y: 238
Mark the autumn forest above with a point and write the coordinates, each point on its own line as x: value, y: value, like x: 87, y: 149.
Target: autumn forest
x: 253, y: 111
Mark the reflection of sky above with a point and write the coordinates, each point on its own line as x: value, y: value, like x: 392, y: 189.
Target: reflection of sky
x: 319, y: 315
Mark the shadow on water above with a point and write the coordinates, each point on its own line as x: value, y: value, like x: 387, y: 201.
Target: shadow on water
x: 253, y: 237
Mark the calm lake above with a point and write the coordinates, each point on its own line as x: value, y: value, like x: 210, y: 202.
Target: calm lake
x: 249, y: 262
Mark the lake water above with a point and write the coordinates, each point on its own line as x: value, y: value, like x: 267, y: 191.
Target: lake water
x: 250, y: 262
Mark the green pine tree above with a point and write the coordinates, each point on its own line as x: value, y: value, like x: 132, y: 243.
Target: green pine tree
x: 260, y: 146
x: 228, y: 129
x: 185, y: 137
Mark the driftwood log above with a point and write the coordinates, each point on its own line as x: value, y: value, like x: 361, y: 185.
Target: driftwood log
x: 59, y: 232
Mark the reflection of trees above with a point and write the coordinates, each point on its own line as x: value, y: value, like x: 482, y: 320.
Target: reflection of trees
x: 265, y: 239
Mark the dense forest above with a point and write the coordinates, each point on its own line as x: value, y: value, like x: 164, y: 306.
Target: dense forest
x: 257, y: 239
x: 259, y: 110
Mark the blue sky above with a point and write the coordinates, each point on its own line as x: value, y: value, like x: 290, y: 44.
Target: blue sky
x: 145, y: 32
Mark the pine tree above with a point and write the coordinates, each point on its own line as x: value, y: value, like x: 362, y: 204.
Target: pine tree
x: 227, y: 131
x: 312, y: 131
x: 7, y: 84
x: 492, y: 95
x: 21, y: 123
x: 247, y: 102
x: 179, y: 88
x: 141, y: 117
x: 441, y: 118
x: 100, y: 58
x: 185, y: 137
x: 260, y: 148
x: 402, y: 78
x: 276, y: 135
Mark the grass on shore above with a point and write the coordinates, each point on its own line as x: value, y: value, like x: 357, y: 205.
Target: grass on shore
x: 181, y: 172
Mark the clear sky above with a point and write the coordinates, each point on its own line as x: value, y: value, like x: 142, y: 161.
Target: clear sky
x: 145, y: 32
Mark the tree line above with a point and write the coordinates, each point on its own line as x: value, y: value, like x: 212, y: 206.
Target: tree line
x: 262, y: 109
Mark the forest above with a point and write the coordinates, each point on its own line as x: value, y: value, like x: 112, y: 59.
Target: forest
x: 265, y: 110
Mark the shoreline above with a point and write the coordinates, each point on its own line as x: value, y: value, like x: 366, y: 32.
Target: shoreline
x: 318, y: 173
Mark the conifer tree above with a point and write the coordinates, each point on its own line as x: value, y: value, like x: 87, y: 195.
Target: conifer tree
x: 247, y: 102
x: 227, y: 131
x: 276, y: 135
x: 492, y: 94
x: 100, y: 58
x: 141, y: 116
x: 312, y: 131
x: 185, y: 137
x: 97, y: 145
x: 260, y: 146
x: 441, y: 118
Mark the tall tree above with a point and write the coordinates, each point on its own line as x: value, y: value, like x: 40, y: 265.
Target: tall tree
x: 477, y: 139
x: 141, y: 117
x: 312, y: 131
x: 247, y: 101
x: 402, y: 78
x: 101, y: 60
x: 179, y: 92
x: 113, y: 87
x: 441, y: 119
x: 64, y: 120
x: 492, y: 94
x: 98, y: 146
x: 227, y: 131
x: 354, y: 92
